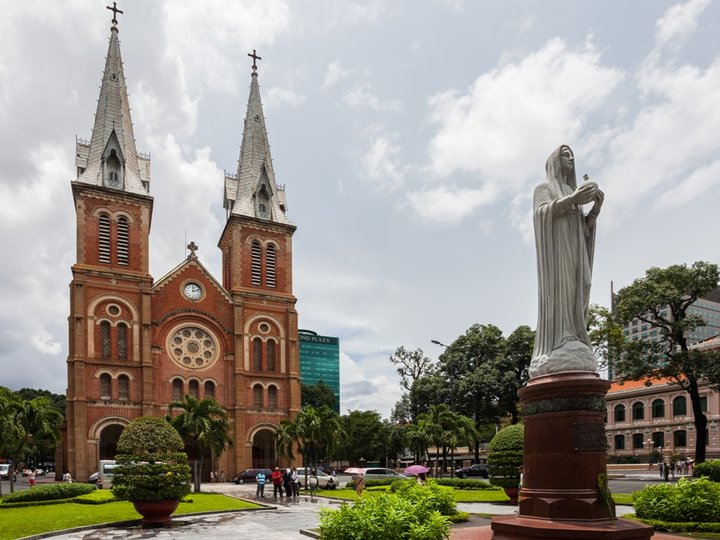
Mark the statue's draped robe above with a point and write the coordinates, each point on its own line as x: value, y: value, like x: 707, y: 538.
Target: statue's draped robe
x: 565, y: 247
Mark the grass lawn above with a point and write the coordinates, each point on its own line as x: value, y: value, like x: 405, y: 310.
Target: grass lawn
x: 461, y: 495
x: 30, y: 520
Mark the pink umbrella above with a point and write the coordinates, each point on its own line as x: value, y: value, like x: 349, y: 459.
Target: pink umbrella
x: 353, y: 470
x: 416, y: 469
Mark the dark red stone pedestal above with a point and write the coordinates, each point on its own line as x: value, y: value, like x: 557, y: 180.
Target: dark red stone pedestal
x: 565, y: 453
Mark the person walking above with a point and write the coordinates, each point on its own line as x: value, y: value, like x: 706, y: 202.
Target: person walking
x: 277, y: 481
x: 359, y: 483
x: 31, y: 477
x: 260, y: 479
x: 313, y: 483
x: 287, y: 483
x: 295, y: 483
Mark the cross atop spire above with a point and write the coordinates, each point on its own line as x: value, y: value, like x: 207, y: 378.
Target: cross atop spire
x: 192, y: 246
x: 115, y: 11
x: 255, y: 57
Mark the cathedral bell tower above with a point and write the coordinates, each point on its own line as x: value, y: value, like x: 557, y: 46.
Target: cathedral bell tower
x: 256, y: 246
x: 111, y: 285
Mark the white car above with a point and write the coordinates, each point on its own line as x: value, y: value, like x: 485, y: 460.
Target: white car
x: 379, y: 473
x: 325, y: 481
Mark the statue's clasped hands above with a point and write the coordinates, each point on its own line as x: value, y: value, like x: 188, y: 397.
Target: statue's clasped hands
x: 587, y: 192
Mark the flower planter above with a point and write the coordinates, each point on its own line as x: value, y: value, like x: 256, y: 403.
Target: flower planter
x: 513, y: 494
x: 155, y: 513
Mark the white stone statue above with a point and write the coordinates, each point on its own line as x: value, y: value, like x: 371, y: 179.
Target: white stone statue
x: 565, y: 242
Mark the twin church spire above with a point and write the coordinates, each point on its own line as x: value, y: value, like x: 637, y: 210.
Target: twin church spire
x: 110, y: 158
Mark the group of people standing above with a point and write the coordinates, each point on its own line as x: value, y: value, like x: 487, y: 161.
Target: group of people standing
x: 285, y: 482
x: 216, y: 476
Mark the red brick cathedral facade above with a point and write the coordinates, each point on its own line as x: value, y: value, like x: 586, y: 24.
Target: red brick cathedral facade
x: 136, y: 344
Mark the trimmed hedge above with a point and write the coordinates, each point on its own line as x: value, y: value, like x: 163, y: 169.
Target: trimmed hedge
x: 464, y: 483
x: 683, y: 502
x: 505, y: 456
x: 709, y: 469
x: 683, y: 527
x: 413, y: 512
x: 49, y: 492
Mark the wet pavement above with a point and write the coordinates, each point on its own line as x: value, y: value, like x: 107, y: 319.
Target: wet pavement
x: 280, y: 519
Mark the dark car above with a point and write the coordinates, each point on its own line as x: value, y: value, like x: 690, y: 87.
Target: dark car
x: 248, y: 475
x: 478, y: 469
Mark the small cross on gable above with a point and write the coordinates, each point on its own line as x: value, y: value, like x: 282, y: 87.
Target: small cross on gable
x: 192, y: 246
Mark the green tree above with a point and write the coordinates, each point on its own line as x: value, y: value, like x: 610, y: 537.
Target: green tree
x: 315, y: 433
x: 662, y: 300
x: 25, y: 424
x: 508, y: 372
x: 44, y: 445
x: 317, y: 395
x: 468, y: 368
x: 419, y: 436
x: 606, y: 335
x: 411, y: 366
x: 365, y: 436
x: 203, y: 425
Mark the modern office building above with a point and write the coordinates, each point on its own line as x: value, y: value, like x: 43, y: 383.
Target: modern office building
x: 320, y: 361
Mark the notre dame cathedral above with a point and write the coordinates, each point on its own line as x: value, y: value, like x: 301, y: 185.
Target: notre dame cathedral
x: 137, y: 343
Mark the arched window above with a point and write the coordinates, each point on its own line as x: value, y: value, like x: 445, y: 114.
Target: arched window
x: 123, y: 387
x: 270, y: 263
x: 209, y: 389
x: 257, y: 354
x: 638, y: 411
x: 104, y: 238
x: 105, y: 387
x: 122, y: 341
x: 257, y: 396
x: 194, y: 389
x: 272, y: 397
x: 679, y: 406
x: 271, y: 355
x: 658, y: 408
x: 122, y: 240
x: 619, y: 442
x: 177, y: 389
x: 620, y: 413
x: 256, y: 263
x: 113, y: 167
x: 105, y: 343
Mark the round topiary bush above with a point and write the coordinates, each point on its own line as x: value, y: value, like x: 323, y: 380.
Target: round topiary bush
x: 505, y: 456
x: 151, y: 463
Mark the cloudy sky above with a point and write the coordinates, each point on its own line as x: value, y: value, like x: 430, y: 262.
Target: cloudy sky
x: 409, y: 136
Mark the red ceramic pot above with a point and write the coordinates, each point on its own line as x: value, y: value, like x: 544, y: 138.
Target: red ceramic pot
x: 155, y: 513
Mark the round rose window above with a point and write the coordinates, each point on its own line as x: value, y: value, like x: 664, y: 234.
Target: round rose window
x: 192, y: 347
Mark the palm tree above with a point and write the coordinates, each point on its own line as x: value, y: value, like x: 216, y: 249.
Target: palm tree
x: 418, y: 437
x: 463, y: 434
x: 204, y: 425
x: 314, y: 432
x: 24, y: 423
x: 441, y: 426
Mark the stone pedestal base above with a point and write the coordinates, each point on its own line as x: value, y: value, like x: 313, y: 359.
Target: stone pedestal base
x: 564, y: 458
x: 523, y: 528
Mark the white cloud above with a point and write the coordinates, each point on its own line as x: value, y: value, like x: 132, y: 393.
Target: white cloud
x: 700, y: 182
x: 362, y: 96
x: 207, y: 38
x: 382, y: 162
x: 277, y: 97
x: 334, y: 73
x: 496, y: 126
x: 679, y: 21
x: 445, y: 204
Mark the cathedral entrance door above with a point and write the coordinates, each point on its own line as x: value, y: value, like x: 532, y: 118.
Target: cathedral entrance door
x: 263, y: 450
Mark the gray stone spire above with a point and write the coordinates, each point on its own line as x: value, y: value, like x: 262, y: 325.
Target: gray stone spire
x: 253, y: 192
x: 109, y: 158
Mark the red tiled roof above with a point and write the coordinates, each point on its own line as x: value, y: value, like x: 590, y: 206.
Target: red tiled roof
x: 631, y: 385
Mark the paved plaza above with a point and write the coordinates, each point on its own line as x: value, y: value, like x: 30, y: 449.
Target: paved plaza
x: 279, y: 520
